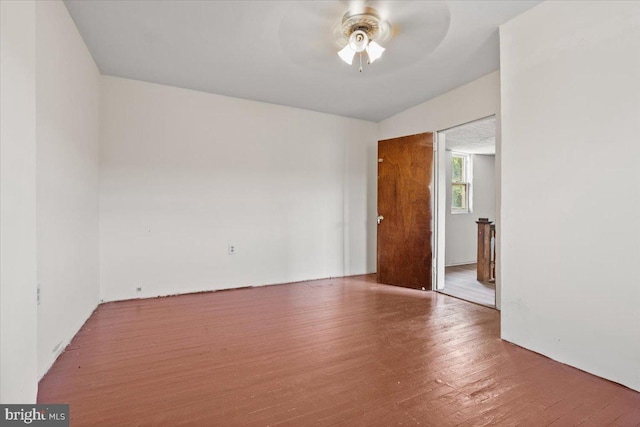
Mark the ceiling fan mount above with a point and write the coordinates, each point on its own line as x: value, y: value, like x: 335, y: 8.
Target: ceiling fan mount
x: 365, y: 19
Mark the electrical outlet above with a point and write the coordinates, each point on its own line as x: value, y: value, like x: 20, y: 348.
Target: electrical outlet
x: 232, y: 249
x: 139, y: 289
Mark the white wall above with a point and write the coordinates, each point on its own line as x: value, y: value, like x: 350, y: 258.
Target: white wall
x: 185, y: 173
x: 18, y: 313
x: 570, y: 185
x: 68, y: 132
x: 461, y: 233
x: 476, y: 100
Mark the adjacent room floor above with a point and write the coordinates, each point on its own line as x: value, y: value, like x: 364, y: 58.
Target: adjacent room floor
x: 460, y: 282
x: 330, y: 352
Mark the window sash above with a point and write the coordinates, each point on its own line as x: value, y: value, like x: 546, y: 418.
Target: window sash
x: 459, y: 199
x: 463, y: 168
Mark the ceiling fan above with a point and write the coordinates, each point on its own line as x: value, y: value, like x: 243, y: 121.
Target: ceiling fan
x: 315, y: 33
x: 363, y: 28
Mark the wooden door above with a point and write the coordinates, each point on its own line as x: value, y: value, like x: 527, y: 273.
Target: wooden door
x: 405, y: 172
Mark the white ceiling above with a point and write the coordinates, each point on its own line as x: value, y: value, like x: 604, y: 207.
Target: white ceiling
x: 477, y: 137
x: 283, y: 52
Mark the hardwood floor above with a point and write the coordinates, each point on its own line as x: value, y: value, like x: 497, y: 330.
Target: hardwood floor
x: 345, y: 352
x: 461, y: 281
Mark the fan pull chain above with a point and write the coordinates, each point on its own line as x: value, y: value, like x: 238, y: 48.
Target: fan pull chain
x: 360, y: 61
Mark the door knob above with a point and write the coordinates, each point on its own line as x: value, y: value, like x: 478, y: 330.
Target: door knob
x: 380, y: 218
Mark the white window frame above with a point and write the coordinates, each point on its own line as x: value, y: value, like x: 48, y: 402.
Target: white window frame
x: 467, y: 177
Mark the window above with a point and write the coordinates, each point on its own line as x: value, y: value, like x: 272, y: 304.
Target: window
x: 460, y: 183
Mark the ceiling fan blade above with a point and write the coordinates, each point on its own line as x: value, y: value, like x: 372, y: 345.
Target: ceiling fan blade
x: 414, y: 24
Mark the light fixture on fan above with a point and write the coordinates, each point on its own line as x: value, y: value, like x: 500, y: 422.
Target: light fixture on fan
x: 362, y: 30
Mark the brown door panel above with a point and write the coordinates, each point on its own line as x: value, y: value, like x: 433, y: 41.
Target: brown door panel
x: 404, y: 201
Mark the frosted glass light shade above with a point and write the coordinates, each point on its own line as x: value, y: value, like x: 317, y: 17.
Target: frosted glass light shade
x: 347, y: 54
x: 358, y: 41
x: 374, y: 50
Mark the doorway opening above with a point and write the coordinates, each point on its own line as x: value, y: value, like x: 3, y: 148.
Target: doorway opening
x: 466, y: 211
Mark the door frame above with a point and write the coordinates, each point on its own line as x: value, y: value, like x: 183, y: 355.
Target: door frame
x: 439, y: 202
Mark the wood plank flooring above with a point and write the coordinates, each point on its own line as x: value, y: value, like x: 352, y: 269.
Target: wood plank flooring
x: 346, y: 352
x: 460, y: 281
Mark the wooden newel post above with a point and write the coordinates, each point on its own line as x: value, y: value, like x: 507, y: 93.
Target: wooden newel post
x: 484, y: 249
